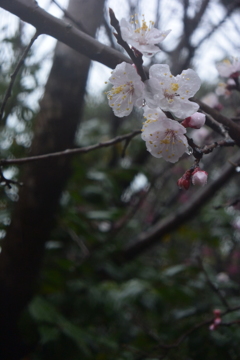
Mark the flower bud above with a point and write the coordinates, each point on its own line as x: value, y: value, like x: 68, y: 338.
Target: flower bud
x: 195, y: 121
x: 217, y: 321
x: 212, y: 327
x: 217, y: 312
x: 185, y: 181
x: 199, y: 177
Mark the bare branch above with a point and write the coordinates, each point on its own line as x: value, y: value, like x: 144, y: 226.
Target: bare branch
x: 45, y: 23
x: 8, y: 182
x: 213, y: 286
x: 136, y: 59
x: 109, y: 33
x: 222, y: 143
x: 197, y: 18
x: 217, y: 26
x: 233, y: 203
x: 14, y: 74
x: 154, y: 235
x: 233, y: 128
x: 178, y: 342
x: 214, y: 125
x: 70, y: 152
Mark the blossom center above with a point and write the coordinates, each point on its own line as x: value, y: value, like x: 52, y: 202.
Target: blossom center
x: 144, y: 28
x: 174, y: 86
x: 227, y: 62
x: 170, y: 136
x: 127, y: 88
x: 117, y: 90
x: 170, y: 93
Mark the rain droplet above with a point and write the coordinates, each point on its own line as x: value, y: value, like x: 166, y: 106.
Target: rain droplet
x: 189, y: 150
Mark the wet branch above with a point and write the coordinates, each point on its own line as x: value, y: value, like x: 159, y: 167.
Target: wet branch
x: 136, y: 59
x: 14, y: 74
x: 213, y: 286
x: 70, y: 152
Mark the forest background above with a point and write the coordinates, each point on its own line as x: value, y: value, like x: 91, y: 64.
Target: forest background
x: 102, y: 256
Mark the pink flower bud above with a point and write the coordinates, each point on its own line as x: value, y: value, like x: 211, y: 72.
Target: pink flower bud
x: 217, y: 321
x: 195, y: 121
x: 217, y: 312
x: 185, y: 181
x: 199, y: 177
x: 212, y: 327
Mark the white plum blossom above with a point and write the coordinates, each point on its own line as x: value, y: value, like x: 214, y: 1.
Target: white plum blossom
x: 195, y: 121
x: 199, y: 177
x: 127, y: 90
x: 200, y: 135
x: 225, y: 88
x: 211, y: 100
x: 226, y: 68
x: 171, y: 93
x: 164, y: 137
x: 144, y: 38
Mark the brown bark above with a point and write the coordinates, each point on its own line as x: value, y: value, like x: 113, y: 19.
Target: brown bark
x: 45, y: 23
x: 33, y: 216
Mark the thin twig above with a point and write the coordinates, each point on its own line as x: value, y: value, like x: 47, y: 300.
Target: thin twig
x: 222, y: 143
x: 70, y: 152
x: 214, y: 125
x: 154, y: 234
x: 235, y: 322
x: 125, y: 148
x: 233, y: 203
x: 14, y: 74
x: 207, y: 149
x: 8, y: 182
x: 45, y: 23
x: 137, y: 60
x: 213, y: 286
x: 185, y: 335
x: 196, y: 327
x: 233, y: 128
x: 228, y: 13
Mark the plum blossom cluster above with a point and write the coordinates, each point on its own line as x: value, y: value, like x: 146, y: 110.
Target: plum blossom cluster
x: 164, y: 97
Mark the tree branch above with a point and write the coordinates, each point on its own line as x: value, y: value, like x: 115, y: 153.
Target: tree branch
x: 137, y: 60
x: 213, y: 286
x: 70, y: 152
x: 14, y: 74
x: 153, y: 236
x: 233, y: 128
x: 45, y: 23
x: 221, y: 22
x: 196, y: 327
